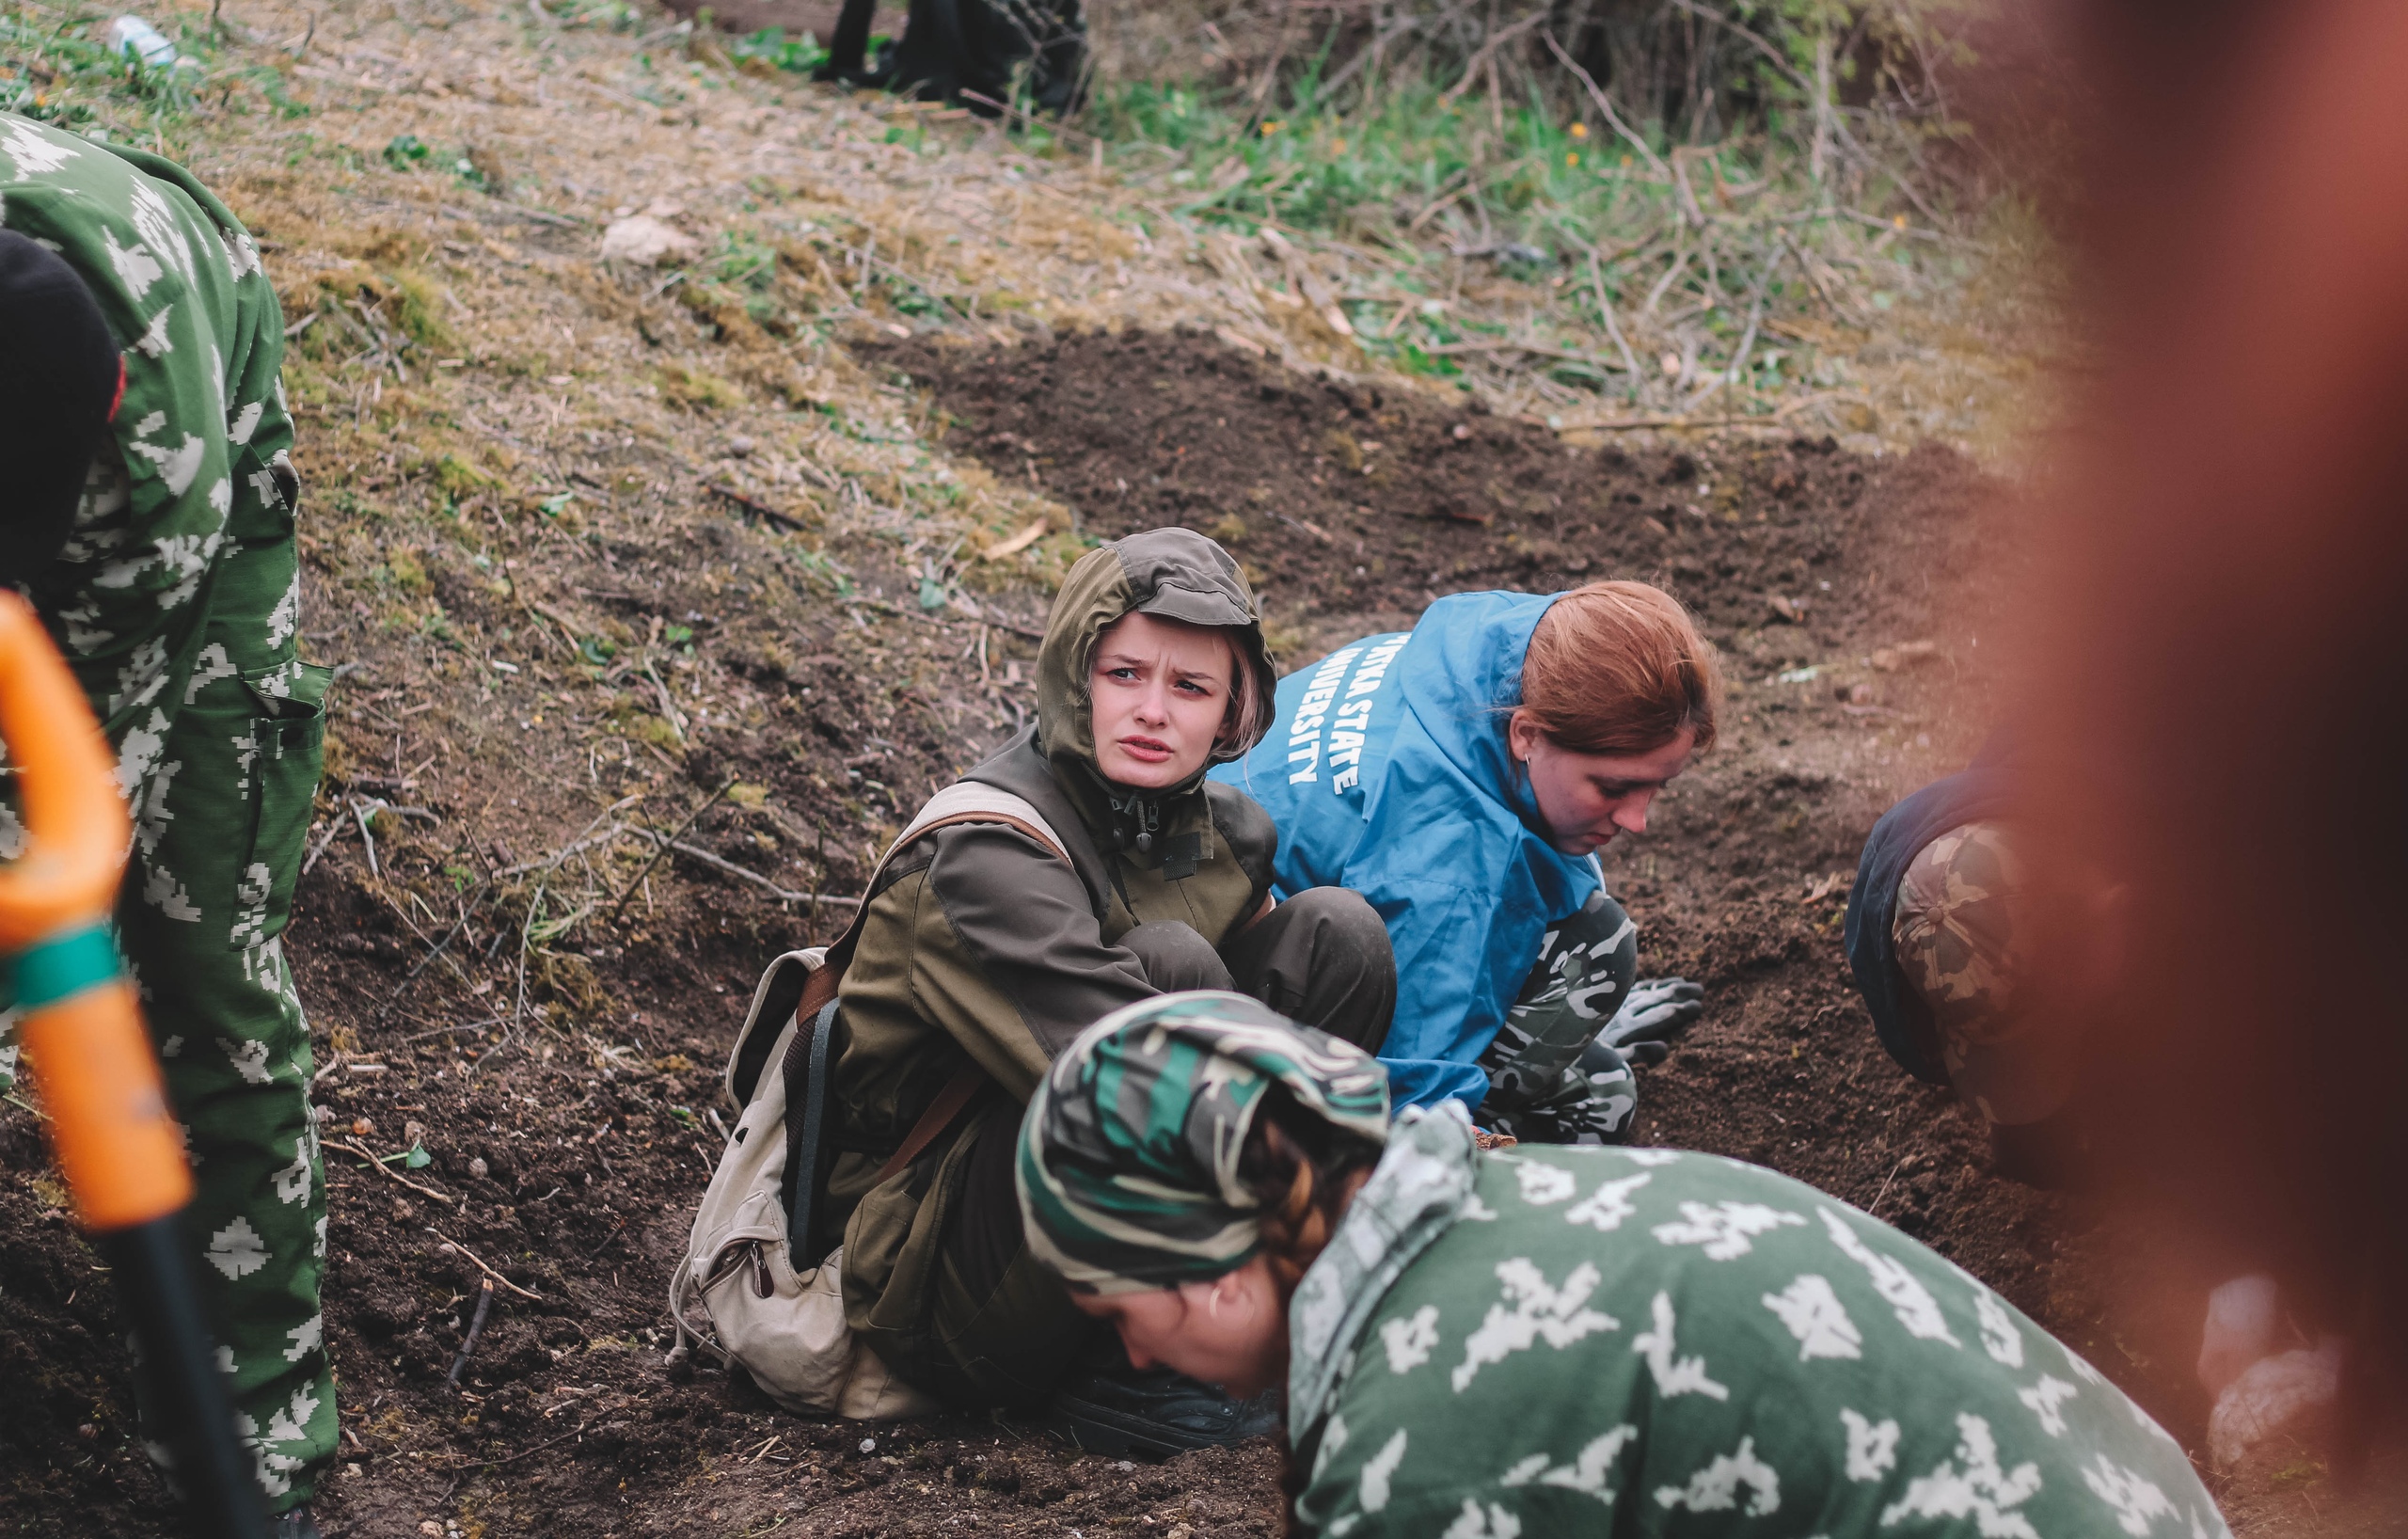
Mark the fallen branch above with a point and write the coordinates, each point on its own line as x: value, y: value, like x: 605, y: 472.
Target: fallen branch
x: 1007, y: 108
x: 481, y: 1266
x: 761, y: 510
x: 719, y: 863
x: 524, y: 1452
x: 1605, y: 104
x: 1500, y: 344
x: 1771, y: 418
x: 1488, y: 51
x: 628, y: 891
x: 1018, y: 543
x: 535, y: 904
x: 1748, y: 340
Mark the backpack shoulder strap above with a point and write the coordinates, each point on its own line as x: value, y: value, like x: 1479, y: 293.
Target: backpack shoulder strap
x: 963, y: 801
x: 813, y: 1052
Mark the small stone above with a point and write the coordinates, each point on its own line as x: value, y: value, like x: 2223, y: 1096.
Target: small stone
x: 414, y: 1131
x: 740, y: 446
x: 363, y: 1127
x: 89, y: 1432
x: 432, y: 1529
x: 1460, y: 430
x: 869, y: 1445
x: 477, y: 1167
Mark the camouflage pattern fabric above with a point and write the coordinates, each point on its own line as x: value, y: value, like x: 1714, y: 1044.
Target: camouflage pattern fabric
x: 1957, y: 936
x: 177, y: 603
x: 1537, y: 1090
x: 1644, y: 1342
x: 1129, y: 1152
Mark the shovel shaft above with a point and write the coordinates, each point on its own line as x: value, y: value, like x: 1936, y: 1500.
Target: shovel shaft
x: 149, y: 1263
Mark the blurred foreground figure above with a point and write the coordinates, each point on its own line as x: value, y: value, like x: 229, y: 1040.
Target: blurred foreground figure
x: 2225, y: 667
x: 150, y: 518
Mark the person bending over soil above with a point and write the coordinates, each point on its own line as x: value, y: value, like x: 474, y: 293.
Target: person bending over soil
x: 1552, y: 1340
x: 1461, y: 776
x: 150, y: 516
x: 981, y: 944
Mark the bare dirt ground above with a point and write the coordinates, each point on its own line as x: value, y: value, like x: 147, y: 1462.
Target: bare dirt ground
x: 608, y: 738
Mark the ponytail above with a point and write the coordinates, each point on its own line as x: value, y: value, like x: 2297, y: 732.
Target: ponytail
x: 1304, y: 1172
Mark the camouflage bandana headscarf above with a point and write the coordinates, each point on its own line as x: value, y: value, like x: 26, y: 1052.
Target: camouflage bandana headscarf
x: 1129, y: 1153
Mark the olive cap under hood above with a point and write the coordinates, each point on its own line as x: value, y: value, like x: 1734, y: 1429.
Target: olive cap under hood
x: 1175, y: 574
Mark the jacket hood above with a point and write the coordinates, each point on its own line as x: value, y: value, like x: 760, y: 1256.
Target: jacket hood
x: 1462, y: 677
x: 1174, y: 573
x: 1389, y: 774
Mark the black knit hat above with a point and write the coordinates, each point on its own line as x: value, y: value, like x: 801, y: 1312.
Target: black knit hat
x: 61, y: 377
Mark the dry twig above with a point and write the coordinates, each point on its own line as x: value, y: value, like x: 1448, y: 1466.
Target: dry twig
x: 352, y: 1146
x: 536, y: 1298
x: 476, y: 1326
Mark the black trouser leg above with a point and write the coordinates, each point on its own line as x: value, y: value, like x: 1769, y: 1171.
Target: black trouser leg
x: 1177, y: 958
x: 1322, y: 957
x: 1002, y: 1316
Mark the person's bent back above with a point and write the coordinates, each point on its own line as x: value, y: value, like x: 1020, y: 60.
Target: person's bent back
x: 1554, y: 1340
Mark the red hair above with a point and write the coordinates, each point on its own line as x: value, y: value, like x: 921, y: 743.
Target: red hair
x: 1620, y: 668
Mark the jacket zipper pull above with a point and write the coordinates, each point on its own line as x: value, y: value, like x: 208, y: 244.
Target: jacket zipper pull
x: 763, y: 1283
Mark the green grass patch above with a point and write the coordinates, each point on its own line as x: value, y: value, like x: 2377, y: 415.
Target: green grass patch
x: 56, y: 67
x: 1626, y: 246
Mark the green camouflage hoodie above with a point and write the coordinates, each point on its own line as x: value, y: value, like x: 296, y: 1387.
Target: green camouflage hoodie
x: 980, y: 945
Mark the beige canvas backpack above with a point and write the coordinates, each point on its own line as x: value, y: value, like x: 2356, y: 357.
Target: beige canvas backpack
x: 774, y: 1306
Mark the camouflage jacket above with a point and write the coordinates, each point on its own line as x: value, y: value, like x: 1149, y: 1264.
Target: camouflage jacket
x: 1553, y: 1340
x: 202, y: 435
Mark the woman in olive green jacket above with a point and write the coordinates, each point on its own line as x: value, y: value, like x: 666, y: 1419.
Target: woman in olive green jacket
x: 983, y: 947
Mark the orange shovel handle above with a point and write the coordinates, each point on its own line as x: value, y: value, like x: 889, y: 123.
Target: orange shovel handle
x: 75, y: 821
x: 117, y: 1143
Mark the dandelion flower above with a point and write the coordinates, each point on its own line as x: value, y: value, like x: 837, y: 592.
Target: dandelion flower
x: 1572, y: 157
x: 1579, y: 131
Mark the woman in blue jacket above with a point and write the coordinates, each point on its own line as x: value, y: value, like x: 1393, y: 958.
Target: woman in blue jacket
x: 1461, y: 776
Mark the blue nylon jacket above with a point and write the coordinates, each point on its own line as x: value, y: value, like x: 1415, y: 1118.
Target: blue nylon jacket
x: 1387, y: 772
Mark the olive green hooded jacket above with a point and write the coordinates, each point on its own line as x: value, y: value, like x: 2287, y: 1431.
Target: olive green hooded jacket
x: 980, y: 945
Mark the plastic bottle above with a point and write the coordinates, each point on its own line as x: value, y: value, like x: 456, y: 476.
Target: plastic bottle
x: 138, y: 40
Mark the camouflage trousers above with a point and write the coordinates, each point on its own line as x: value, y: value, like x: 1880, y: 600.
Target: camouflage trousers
x: 1537, y: 1089
x: 219, y: 825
